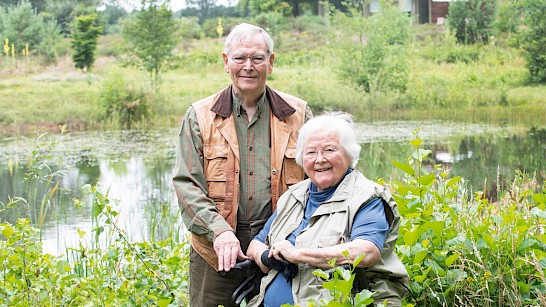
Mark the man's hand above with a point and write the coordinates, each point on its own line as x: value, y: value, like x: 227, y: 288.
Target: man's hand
x: 228, y: 249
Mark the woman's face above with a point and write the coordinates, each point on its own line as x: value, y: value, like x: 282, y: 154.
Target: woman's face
x: 324, y: 159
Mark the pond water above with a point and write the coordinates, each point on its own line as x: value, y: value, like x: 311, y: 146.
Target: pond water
x: 135, y: 167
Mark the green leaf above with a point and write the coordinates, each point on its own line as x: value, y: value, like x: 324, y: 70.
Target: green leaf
x: 451, y: 259
x: 419, y: 257
x: 320, y: 273
x: 63, y: 266
x: 427, y: 180
x: 540, y: 198
x: 7, y: 231
x: 405, y: 167
x: 416, y: 142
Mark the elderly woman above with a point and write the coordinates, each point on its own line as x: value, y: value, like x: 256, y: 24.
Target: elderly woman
x: 336, y: 209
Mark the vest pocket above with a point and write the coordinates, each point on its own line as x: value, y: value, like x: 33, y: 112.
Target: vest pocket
x: 215, y: 171
x: 293, y: 173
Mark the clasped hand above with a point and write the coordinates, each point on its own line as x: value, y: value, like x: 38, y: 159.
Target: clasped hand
x: 228, y: 249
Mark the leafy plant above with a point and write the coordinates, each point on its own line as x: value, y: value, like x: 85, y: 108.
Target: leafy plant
x: 466, y: 251
x: 124, y: 103
x: 471, y: 20
x: 151, y: 36
x: 534, y: 40
x: 84, y: 41
x: 372, y: 51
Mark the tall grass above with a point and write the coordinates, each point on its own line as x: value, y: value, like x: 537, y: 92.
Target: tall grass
x: 477, y: 83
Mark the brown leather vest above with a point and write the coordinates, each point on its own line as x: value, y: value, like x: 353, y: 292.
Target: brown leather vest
x: 221, y: 154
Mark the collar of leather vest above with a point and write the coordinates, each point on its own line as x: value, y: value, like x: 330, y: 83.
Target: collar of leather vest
x: 280, y: 108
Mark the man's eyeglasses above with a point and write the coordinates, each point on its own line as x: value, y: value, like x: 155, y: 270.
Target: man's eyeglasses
x: 327, y: 152
x: 255, y: 59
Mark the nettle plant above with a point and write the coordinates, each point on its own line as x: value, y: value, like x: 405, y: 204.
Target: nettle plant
x: 462, y: 250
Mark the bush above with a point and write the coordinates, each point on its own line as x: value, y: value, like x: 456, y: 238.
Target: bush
x: 471, y: 20
x: 373, y: 51
x: 24, y: 27
x: 124, y: 103
x: 534, y: 40
x: 462, y: 251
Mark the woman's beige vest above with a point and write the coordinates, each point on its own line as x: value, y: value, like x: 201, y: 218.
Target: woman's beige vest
x: 331, y: 224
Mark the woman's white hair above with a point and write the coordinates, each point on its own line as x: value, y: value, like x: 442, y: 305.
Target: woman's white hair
x: 341, y: 124
x: 246, y: 30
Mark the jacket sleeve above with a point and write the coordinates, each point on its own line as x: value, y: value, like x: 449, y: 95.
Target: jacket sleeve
x: 199, y: 213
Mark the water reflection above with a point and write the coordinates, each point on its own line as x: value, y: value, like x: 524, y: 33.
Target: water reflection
x: 136, y: 167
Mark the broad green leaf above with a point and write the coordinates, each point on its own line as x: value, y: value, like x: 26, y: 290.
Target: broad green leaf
x: 428, y: 179
x: 406, y: 168
x: 163, y: 303
x: 63, y: 266
x: 540, y: 198
x: 7, y: 231
x: 419, y: 257
x: 416, y: 142
x: 320, y: 273
x: 453, y: 181
x: 451, y: 259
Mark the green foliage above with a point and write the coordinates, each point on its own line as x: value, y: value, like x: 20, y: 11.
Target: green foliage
x: 373, y: 51
x: 105, y: 270
x: 534, y: 40
x: 23, y: 26
x: 124, y: 103
x: 460, y: 251
x: 84, y: 41
x: 508, y: 17
x: 339, y: 282
x: 471, y: 20
x: 151, y: 37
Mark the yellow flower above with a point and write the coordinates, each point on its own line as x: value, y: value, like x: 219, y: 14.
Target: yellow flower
x: 6, y: 47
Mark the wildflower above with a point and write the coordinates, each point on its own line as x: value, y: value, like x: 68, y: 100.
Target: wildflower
x: 6, y: 47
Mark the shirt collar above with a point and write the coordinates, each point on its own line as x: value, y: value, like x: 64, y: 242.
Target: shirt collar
x: 224, y: 104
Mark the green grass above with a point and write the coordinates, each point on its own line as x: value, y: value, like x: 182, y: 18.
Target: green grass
x: 447, y: 81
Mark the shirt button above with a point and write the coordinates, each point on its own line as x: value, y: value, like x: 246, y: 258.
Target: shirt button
x: 251, y: 173
x: 274, y: 172
x: 250, y: 148
x: 236, y: 171
x: 250, y: 198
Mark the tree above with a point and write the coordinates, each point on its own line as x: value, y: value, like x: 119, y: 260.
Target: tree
x: 534, y: 40
x: 151, y: 36
x: 84, y: 41
x: 471, y: 20
x: 372, y: 52
x: 23, y: 26
x: 203, y: 8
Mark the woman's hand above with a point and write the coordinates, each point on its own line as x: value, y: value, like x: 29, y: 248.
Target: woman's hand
x: 286, y: 250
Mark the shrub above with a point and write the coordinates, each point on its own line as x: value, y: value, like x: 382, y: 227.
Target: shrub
x: 534, y: 40
x: 124, y: 103
x: 471, y: 20
x: 373, y: 51
x: 84, y: 41
x: 462, y: 251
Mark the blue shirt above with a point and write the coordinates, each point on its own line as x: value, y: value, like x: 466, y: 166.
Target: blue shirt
x: 370, y: 224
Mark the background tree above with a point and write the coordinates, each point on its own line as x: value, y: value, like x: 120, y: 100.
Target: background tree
x: 471, y: 20
x: 151, y: 36
x: 66, y: 11
x: 23, y: 26
x: 372, y: 52
x: 534, y: 40
x: 203, y: 8
x: 84, y: 41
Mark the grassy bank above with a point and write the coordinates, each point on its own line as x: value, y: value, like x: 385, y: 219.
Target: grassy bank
x: 447, y: 81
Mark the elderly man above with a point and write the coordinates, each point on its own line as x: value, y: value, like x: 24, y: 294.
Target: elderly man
x: 236, y: 156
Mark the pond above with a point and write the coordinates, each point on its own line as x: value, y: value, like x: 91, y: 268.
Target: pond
x: 135, y: 167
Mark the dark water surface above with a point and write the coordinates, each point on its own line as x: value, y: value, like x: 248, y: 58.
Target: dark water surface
x: 135, y: 167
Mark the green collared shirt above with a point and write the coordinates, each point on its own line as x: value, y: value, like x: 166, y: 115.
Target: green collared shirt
x: 255, y: 152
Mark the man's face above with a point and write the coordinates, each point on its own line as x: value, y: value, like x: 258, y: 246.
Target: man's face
x: 248, y: 77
